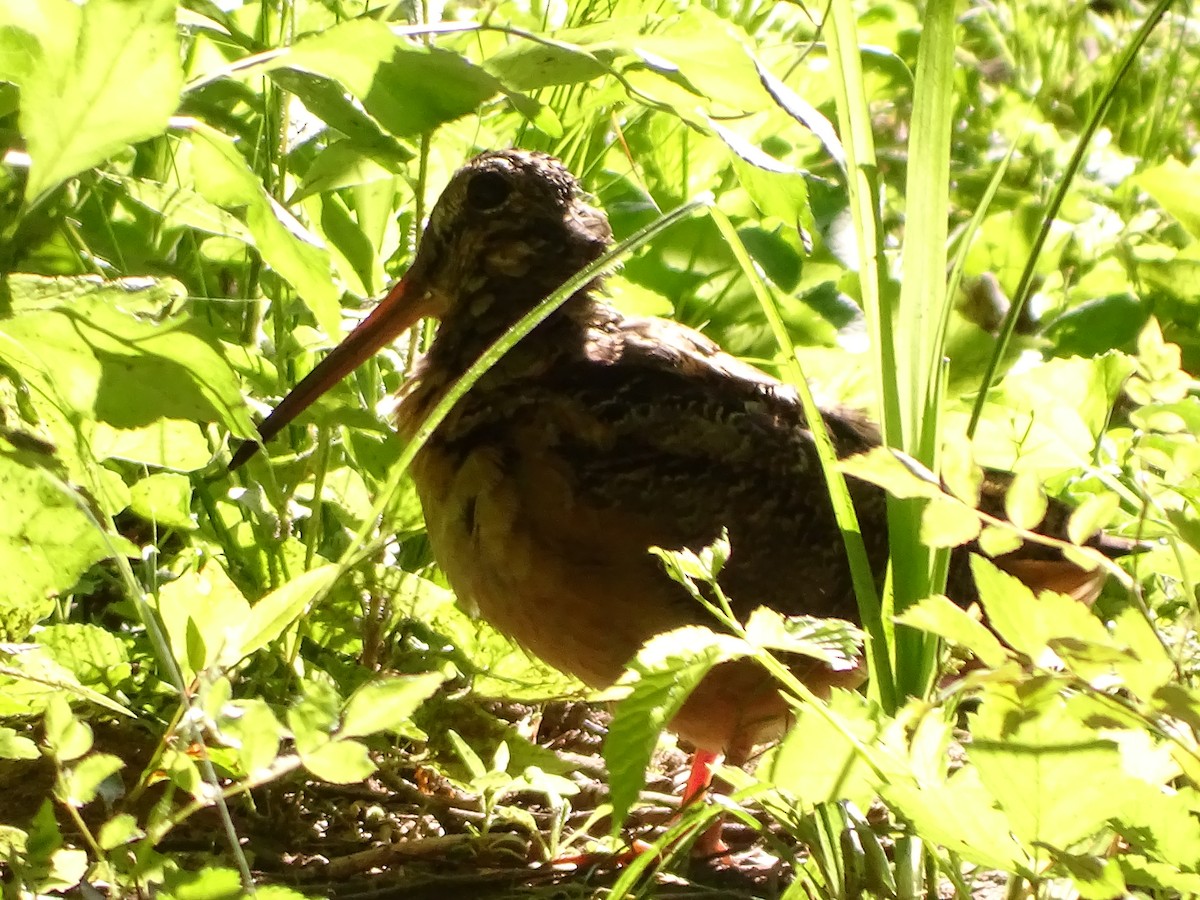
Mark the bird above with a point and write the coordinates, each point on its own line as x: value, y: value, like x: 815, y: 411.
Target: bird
x: 601, y: 435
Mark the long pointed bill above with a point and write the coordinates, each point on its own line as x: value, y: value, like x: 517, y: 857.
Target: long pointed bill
x: 394, y: 315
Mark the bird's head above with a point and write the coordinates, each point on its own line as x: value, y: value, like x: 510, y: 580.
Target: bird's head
x: 510, y: 227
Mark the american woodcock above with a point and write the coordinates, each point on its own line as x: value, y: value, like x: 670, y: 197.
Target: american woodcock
x: 600, y: 436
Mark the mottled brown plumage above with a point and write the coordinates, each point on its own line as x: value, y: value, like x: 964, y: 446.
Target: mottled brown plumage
x: 598, y: 437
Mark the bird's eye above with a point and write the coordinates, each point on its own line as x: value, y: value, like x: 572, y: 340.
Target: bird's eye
x: 487, y: 191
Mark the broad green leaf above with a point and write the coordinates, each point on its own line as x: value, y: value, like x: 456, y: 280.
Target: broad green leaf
x: 388, y: 704
x: 165, y: 444
x: 1092, y: 515
x: 1030, y: 750
x: 67, y: 736
x: 963, y: 477
x: 120, y: 829
x: 1151, y: 875
x: 946, y: 522
x: 95, y: 655
x: 340, y: 110
x: 314, y: 716
x: 1030, y: 624
x: 91, y: 359
x: 900, y: 476
x: 960, y: 815
x: 339, y: 762
x: 778, y: 190
x: 706, y: 55
x: 82, y: 781
x: 834, y: 642
x: 16, y: 746
x: 1049, y: 416
x: 663, y: 675
x: 204, y: 615
x: 271, y: 616
x: 1096, y: 878
x: 527, y: 65
x: 31, y: 680
x: 182, y: 207
x: 939, y: 615
x: 1025, y: 502
x: 210, y: 883
x: 164, y: 499
x: 254, y: 731
x: 1154, y: 667
x: 996, y: 540
x: 47, y: 541
x: 408, y: 90
x: 1100, y: 325
x: 815, y: 763
x: 1161, y: 823
x: 1176, y: 188
x: 108, y: 75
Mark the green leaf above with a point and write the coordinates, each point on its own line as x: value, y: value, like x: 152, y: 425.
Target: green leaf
x: 164, y: 499
x: 388, y: 704
x: 1176, y: 188
x: 996, y: 540
x: 946, y: 522
x: 960, y: 815
x: 528, y: 65
x: 815, y: 763
x: 899, y: 475
x: 664, y: 674
x: 380, y: 69
x: 210, y: 883
x: 16, y: 746
x: 108, y: 75
x: 46, y: 541
x: 1030, y: 624
x: 1092, y: 515
x: 339, y: 762
x: 82, y: 782
x: 271, y: 616
x: 203, y: 613
x: 66, y: 736
x: 1030, y: 750
x: 251, y: 727
x: 1025, y: 503
x: 165, y: 444
x: 941, y: 616
x: 120, y: 829
x: 95, y: 655
x: 1094, y: 877
x: 834, y: 642
x: 32, y: 679
x: 182, y: 207
x: 92, y: 358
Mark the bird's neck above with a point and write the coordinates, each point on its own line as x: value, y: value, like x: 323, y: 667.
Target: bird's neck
x: 475, y: 326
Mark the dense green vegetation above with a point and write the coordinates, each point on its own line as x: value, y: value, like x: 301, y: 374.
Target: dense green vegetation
x: 208, y: 679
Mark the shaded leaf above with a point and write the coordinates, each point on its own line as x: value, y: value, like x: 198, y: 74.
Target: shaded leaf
x: 388, y: 704
x: 339, y: 762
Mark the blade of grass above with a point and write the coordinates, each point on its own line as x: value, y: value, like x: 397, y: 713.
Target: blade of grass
x: 923, y: 304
